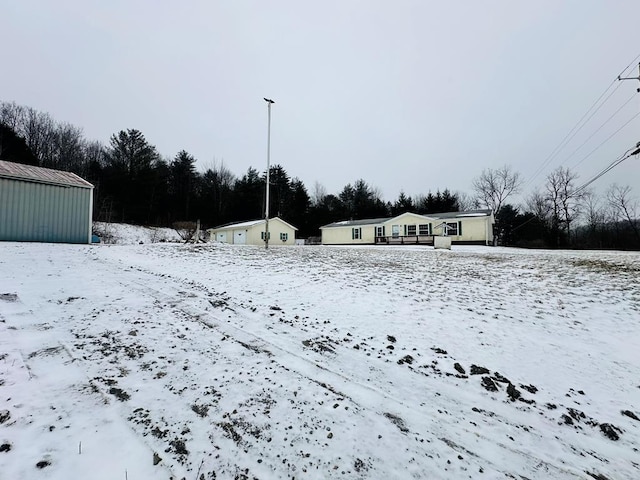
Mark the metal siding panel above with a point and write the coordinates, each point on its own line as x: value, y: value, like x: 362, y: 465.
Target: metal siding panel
x: 62, y: 225
x: 4, y: 207
x: 73, y: 218
x: 59, y: 227
x: 39, y: 212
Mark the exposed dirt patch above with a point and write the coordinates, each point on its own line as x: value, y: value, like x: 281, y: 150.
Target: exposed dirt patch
x: 4, y: 416
x: 500, y: 378
x: 254, y: 348
x: 489, y: 385
x: 603, y: 266
x: 610, y: 431
x: 5, y: 447
x: 597, y: 476
x: 44, y: 352
x: 630, y: 414
x: 513, y: 393
x: 202, y: 410
x: 406, y: 359
x: 360, y: 465
x: 9, y: 297
x: 397, y: 421
x: 320, y: 344
x: 119, y: 394
x: 476, y: 370
x: 178, y: 446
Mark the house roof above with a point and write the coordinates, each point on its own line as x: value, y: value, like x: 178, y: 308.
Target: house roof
x: 468, y: 213
x: 354, y: 223
x: 249, y: 223
x: 437, y: 216
x: 29, y: 173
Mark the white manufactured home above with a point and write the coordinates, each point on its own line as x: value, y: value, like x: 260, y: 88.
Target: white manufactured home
x: 470, y: 227
x: 253, y: 233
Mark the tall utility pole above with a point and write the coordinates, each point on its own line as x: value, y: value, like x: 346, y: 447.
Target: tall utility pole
x: 266, y: 207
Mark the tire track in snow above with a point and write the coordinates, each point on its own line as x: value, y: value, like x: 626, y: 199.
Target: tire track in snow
x: 365, y: 396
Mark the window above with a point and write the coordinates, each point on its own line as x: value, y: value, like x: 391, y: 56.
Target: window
x: 424, y: 229
x: 356, y: 233
x: 262, y: 235
x: 453, y: 228
x: 284, y: 236
x: 411, y: 229
x: 395, y: 230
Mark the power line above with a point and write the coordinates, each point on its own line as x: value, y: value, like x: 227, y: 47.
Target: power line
x: 615, y: 163
x: 629, y: 153
x: 581, y: 123
x: 608, y: 138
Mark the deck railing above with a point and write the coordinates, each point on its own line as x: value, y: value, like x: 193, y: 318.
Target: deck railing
x: 405, y: 240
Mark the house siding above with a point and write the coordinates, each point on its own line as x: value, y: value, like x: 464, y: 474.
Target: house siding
x: 343, y: 235
x: 471, y: 229
x: 253, y: 233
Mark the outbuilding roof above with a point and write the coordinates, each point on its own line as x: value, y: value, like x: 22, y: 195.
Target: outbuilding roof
x: 438, y: 216
x: 248, y: 224
x: 29, y: 173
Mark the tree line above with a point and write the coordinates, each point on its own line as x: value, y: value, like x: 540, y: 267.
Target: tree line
x: 134, y: 183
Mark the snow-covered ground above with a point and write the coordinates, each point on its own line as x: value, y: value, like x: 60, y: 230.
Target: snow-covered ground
x: 220, y: 361
x: 125, y: 234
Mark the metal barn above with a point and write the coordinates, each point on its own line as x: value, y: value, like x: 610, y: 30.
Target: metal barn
x: 44, y: 205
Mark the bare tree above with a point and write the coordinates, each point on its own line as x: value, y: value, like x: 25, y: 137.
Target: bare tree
x: 593, y: 210
x: 38, y: 131
x: 563, y: 201
x: 466, y: 201
x: 595, y: 215
x: 67, y: 148
x: 624, y: 206
x: 318, y: 193
x: 12, y: 116
x: 537, y: 204
x: 494, y: 186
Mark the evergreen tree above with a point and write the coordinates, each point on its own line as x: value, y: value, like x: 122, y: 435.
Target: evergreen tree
x: 248, y: 197
x: 402, y: 205
x: 129, y: 176
x: 183, y: 182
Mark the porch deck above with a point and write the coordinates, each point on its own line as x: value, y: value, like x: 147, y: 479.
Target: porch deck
x: 405, y: 240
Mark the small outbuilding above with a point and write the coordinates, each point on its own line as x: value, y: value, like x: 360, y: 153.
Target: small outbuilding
x: 253, y: 232
x: 44, y: 205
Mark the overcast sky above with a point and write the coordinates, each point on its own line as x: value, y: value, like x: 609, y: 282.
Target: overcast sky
x: 409, y: 95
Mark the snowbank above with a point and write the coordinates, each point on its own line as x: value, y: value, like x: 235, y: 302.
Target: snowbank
x: 125, y: 234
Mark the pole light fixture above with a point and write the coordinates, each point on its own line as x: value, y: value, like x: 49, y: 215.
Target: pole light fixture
x: 266, y: 203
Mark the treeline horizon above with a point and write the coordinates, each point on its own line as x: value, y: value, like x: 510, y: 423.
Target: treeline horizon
x: 134, y: 183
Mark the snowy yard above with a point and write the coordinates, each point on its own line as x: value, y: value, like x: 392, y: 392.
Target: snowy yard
x: 225, y: 362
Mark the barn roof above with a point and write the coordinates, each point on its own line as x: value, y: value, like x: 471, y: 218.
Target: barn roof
x: 29, y: 173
